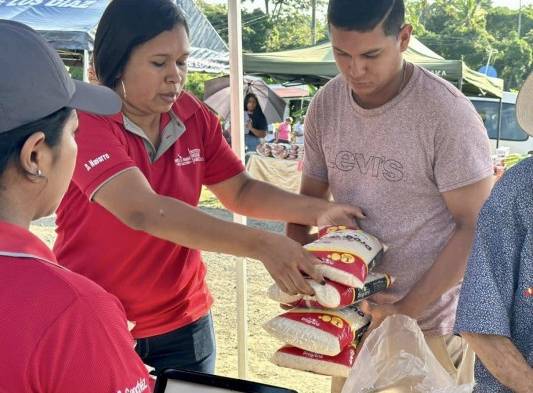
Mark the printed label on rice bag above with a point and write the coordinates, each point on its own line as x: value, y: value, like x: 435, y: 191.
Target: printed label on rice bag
x: 375, y: 282
x: 345, y: 262
x: 329, y: 322
x: 345, y: 358
x: 347, y: 240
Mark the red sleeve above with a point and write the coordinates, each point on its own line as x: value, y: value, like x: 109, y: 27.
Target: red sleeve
x: 221, y: 162
x: 102, y: 152
x: 88, y: 349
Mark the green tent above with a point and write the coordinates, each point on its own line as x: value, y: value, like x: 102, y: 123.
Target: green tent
x: 316, y: 65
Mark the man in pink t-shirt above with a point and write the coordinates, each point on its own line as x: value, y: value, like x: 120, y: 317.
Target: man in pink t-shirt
x: 409, y: 149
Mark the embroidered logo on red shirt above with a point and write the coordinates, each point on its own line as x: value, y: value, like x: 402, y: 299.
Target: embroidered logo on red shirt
x: 96, y: 161
x: 195, y: 155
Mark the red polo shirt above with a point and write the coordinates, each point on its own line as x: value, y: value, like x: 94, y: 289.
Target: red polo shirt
x: 161, y: 284
x: 60, y: 332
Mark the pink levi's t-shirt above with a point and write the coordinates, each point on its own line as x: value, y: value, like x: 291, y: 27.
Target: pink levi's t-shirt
x: 394, y: 162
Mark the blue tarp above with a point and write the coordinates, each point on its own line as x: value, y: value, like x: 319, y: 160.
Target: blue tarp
x: 71, y: 24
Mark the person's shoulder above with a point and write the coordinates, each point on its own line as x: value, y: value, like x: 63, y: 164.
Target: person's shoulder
x: 436, y: 86
x: 438, y: 91
x: 517, y: 183
x: 446, y: 103
x: 513, y: 193
x: 53, y: 285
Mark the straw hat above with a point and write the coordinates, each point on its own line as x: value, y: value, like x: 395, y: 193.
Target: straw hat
x: 524, y: 106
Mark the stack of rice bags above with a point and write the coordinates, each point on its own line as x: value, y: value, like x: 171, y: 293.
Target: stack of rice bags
x: 322, y: 331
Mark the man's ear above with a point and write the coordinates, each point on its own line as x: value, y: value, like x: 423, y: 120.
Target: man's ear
x: 405, y: 36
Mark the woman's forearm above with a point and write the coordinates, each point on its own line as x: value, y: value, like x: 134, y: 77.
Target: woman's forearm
x: 263, y: 201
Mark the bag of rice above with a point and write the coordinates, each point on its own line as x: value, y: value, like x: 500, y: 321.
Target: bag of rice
x: 332, y: 295
x: 298, y: 359
x: 326, y: 332
x: 347, y: 255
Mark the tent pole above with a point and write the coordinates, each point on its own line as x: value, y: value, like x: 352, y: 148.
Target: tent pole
x: 237, y: 138
x: 500, y: 111
x: 86, y: 65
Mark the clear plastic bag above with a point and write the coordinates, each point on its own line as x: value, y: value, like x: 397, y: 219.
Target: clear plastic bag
x: 395, y: 358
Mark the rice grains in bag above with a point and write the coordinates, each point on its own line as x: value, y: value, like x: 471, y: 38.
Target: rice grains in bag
x: 326, y: 332
x: 299, y: 359
x: 332, y: 295
x: 347, y: 255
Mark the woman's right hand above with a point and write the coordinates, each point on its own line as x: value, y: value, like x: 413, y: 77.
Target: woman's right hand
x: 286, y: 260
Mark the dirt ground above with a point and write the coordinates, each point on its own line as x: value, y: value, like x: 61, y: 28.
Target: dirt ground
x: 222, y: 282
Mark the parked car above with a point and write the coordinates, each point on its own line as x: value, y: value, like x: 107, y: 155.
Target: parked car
x: 511, y: 135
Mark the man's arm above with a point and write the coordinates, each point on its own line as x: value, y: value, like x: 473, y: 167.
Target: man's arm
x: 448, y: 269
x: 314, y: 188
x: 503, y: 360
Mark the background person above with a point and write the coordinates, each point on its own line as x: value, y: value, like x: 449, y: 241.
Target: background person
x: 284, y: 131
x: 61, y: 332
x: 255, y: 123
x: 495, y: 312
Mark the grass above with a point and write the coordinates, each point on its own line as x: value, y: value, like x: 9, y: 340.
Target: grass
x: 208, y: 199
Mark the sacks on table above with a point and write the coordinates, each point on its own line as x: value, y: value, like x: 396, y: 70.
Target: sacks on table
x: 333, y: 295
x: 347, y: 254
x: 326, y: 332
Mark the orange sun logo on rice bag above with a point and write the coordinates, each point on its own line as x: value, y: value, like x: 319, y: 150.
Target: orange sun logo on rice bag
x: 332, y: 295
x: 299, y: 359
x: 347, y: 254
x: 326, y: 332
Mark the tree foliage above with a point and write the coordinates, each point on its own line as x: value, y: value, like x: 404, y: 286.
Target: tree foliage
x: 472, y: 30
x: 475, y: 31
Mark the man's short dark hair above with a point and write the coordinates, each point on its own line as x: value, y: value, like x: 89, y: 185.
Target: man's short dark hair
x: 364, y: 15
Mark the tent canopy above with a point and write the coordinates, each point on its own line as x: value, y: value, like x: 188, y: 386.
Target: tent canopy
x: 71, y: 24
x: 317, y: 65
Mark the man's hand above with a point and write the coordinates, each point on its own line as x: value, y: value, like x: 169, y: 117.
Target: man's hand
x: 339, y: 214
x: 377, y: 314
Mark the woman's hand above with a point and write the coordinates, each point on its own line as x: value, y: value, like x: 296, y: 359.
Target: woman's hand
x: 286, y: 260
x: 339, y: 214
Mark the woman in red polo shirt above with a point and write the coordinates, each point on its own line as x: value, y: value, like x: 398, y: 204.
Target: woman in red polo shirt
x: 129, y: 219
x: 61, y: 332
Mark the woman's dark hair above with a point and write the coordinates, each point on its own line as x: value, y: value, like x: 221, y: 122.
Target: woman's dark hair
x: 364, y: 15
x: 11, y: 142
x: 258, y: 118
x: 125, y: 25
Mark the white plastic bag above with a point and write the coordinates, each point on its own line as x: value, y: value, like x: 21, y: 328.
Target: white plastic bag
x: 396, y: 356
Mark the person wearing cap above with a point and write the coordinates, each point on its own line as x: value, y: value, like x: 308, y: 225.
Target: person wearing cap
x: 129, y: 219
x: 495, y: 313
x: 61, y: 332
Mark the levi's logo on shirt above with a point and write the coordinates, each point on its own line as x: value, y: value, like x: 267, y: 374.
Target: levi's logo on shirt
x: 195, y: 155
x: 141, y: 386
x: 96, y: 161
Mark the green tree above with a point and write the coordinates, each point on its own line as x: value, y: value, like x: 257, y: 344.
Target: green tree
x: 195, y: 83
x: 293, y: 31
x: 515, y: 59
x: 475, y: 31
